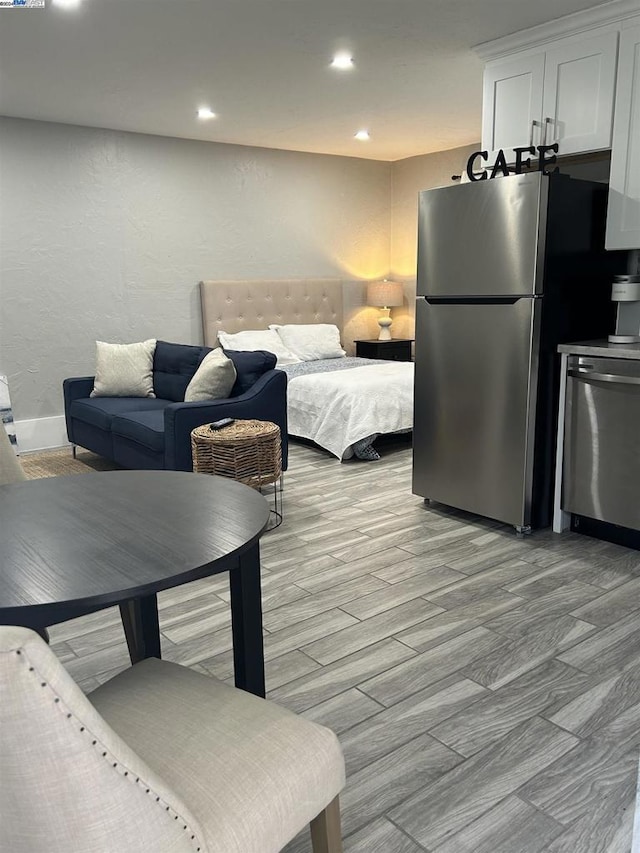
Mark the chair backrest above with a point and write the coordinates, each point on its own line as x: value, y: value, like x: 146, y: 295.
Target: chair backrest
x: 10, y: 468
x: 68, y: 782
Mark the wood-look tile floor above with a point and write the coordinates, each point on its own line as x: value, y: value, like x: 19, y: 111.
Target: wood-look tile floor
x: 486, y: 690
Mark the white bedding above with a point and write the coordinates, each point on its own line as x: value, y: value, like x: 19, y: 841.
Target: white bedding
x: 336, y: 409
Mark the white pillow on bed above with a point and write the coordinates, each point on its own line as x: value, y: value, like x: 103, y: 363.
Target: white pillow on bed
x: 252, y: 340
x: 311, y: 342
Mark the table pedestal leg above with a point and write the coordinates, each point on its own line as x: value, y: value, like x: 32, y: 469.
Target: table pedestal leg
x: 246, y: 621
x: 141, y: 628
x: 43, y: 633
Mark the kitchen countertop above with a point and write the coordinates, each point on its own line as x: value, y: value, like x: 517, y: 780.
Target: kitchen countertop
x: 602, y: 348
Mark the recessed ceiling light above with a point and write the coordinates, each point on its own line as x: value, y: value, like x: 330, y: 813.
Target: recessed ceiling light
x: 362, y: 135
x: 342, y: 60
x: 205, y: 113
x: 66, y: 4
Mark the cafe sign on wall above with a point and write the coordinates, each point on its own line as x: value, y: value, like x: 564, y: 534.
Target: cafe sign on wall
x: 546, y: 157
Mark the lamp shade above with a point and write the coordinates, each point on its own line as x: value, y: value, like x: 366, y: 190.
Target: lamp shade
x: 385, y: 294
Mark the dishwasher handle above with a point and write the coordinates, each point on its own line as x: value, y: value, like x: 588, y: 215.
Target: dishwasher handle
x: 583, y: 373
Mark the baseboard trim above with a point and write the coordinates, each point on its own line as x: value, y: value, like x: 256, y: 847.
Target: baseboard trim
x: 41, y: 433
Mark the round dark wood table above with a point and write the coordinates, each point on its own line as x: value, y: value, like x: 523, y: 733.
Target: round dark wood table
x: 73, y: 545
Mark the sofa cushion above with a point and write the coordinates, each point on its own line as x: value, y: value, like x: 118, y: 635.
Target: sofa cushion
x: 145, y: 428
x: 249, y: 368
x: 173, y: 368
x: 99, y: 411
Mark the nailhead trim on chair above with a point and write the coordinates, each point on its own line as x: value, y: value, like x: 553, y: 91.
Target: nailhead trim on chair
x: 94, y: 742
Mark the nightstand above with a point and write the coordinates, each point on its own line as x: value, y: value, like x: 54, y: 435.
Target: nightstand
x: 397, y: 349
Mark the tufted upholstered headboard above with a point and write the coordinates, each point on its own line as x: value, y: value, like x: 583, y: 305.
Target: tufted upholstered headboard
x: 234, y: 306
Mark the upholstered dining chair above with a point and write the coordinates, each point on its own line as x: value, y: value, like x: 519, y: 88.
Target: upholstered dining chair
x: 160, y: 759
x: 10, y: 468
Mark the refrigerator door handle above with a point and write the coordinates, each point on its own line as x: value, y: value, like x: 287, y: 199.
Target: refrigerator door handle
x: 474, y: 300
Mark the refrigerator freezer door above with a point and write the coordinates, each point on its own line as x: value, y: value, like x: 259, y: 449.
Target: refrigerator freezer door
x: 475, y: 381
x: 484, y: 238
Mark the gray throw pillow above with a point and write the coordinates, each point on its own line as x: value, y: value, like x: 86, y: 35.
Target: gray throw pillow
x: 213, y: 380
x: 124, y: 370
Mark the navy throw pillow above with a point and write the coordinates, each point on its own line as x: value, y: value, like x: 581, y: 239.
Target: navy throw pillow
x: 249, y: 366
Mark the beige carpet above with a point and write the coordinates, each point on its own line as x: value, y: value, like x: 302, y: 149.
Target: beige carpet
x: 60, y: 463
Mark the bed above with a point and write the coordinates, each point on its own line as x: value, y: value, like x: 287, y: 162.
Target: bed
x: 342, y: 403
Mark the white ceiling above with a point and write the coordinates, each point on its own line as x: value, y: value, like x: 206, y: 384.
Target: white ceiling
x: 263, y: 66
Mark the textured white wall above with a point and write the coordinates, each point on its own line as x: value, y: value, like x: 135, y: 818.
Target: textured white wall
x: 106, y: 234
x: 408, y: 178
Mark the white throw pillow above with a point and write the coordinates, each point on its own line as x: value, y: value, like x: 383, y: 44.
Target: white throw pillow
x: 311, y: 342
x: 124, y: 370
x: 213, y: 380
x: 265, y: 339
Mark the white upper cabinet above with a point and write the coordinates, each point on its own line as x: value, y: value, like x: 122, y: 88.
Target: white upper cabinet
x: 579, y: 87
x: 623, y: 216
x: 512, y: 103
x: 563, y: 94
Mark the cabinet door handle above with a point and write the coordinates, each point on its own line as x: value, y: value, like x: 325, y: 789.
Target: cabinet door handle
x: 547, y: 122
x: 533, y: 124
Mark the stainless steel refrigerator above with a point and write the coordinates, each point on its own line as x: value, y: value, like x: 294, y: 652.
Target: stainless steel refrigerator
x: 507, y: 269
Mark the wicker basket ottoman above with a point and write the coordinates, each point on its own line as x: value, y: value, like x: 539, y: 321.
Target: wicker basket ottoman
x: 247, y: 451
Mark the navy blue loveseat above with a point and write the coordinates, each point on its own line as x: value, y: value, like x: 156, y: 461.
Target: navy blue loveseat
x: 155, y: 433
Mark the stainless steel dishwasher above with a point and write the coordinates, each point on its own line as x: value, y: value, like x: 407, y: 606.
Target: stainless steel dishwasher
x: 601, y: 476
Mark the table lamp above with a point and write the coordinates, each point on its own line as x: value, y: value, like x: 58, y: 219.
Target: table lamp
x: 386, y: 295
